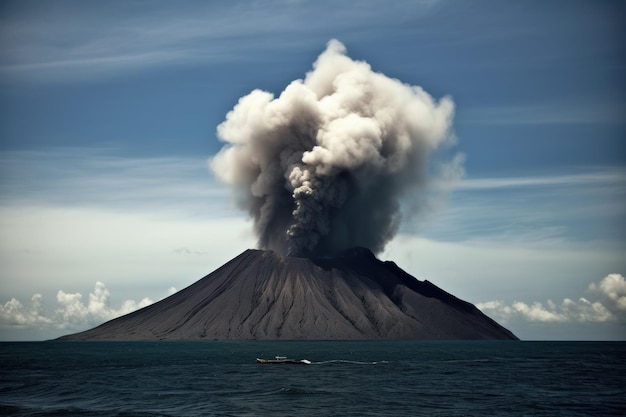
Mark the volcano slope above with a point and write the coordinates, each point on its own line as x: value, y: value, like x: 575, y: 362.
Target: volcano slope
x: 264, y: 295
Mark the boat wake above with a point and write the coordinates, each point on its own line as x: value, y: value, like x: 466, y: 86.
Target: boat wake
x: 348, y: 362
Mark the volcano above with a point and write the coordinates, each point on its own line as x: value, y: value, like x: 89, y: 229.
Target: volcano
x: 262, y: 294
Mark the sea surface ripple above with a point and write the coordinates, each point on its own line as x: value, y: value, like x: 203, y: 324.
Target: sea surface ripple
x: 368, y: 378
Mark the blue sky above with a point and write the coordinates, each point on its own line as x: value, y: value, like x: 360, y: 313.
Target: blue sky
x: 108, y: 116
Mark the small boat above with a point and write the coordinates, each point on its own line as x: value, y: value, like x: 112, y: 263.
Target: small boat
x: 284, y: 360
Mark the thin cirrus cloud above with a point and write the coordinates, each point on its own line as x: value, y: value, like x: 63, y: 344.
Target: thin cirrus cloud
x: 581, y: 206
x: 612, y: 176
x: 546, y: 113
x: 92, y: 44
x: 183, y: 187
x: 71, y: 39
x: 96, y: 178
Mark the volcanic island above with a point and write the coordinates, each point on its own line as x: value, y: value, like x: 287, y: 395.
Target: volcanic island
x: 264, y: 295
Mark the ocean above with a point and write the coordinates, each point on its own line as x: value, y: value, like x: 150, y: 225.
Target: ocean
x: 346, y: 378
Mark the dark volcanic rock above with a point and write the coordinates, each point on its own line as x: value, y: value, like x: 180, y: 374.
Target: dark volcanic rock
x: 264, y: 295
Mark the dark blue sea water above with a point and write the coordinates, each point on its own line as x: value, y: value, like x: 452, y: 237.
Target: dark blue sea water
x: 383, y: 378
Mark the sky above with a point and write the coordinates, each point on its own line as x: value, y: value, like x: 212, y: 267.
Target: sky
x: 108, y: 123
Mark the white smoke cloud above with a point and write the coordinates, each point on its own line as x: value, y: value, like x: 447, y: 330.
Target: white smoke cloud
x: 611, y: 307
x: 71, y: 311
x: 323, y: 166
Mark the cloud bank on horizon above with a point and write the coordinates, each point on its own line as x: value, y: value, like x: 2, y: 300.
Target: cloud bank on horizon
x: 323, y: 166
x: 610, y: 305
x: 606, y: 303
x: 72, y: 313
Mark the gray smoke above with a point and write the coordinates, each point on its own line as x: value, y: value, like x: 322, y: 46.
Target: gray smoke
x: 323, y: 167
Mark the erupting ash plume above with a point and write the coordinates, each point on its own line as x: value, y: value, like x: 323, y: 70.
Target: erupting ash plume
x: 323, y: 167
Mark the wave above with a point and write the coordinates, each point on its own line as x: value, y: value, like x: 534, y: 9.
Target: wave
x: 465, y: 360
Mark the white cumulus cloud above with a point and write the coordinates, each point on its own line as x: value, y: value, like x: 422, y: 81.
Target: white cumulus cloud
x: 71, y: 312
x: 611, y: 307
x: 14, y: 313
x: 74, y: 312
x: 613, y: 288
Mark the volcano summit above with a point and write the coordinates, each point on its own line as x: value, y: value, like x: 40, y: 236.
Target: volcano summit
x: 262, y: 294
